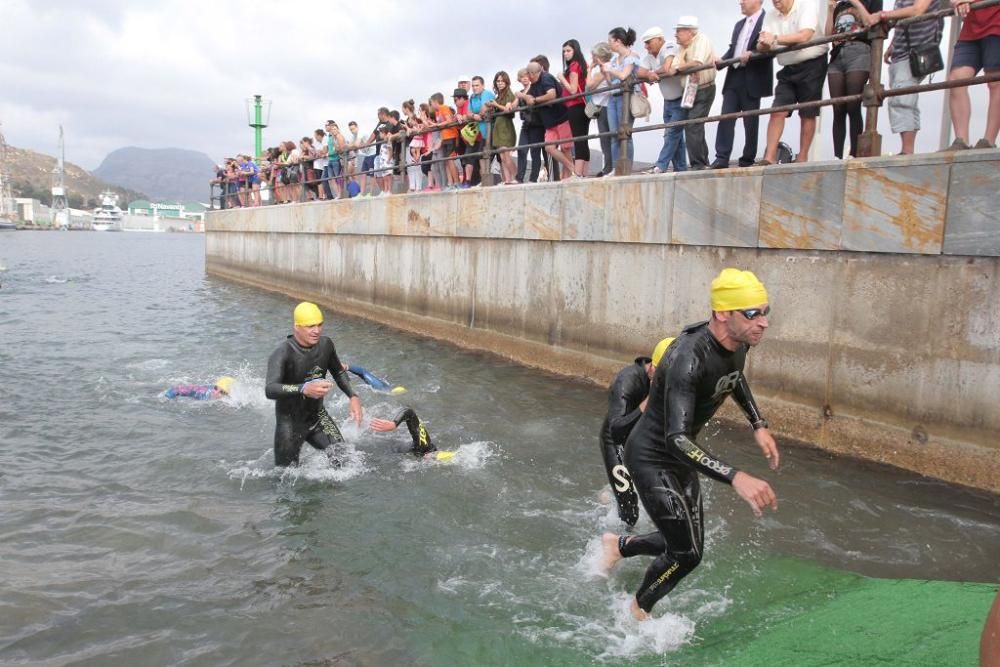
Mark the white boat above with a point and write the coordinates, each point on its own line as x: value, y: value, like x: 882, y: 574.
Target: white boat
x: 108, y: 216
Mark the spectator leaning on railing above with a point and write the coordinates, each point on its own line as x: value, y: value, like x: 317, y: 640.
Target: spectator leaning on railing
x: 802, y: 74
x: 544, y: 88
x: 655, y: 67
x: 617, y: 71
x: 850, y: 62
x: 532, y: 132
x: 600, y: 54
x: 904, y: 110
x: 503, y: 135
x: 747, y: 82
x: 574, y: 80
x: 695, y: 50
x: 978, y: 48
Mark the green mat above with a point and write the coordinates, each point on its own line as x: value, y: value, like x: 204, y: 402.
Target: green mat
x: 810, y: 616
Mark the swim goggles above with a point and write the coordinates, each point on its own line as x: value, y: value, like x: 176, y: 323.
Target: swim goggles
x: 754, y: 313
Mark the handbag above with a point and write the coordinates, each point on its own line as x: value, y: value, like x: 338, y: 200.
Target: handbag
x: 592, y: 110
x: 925, y: 59
x: 470, y: 133
x: 639, y: 106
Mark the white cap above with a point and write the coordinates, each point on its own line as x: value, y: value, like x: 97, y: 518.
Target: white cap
x: 652, y: 33
x: 464, y: 77
x: 688, y: 22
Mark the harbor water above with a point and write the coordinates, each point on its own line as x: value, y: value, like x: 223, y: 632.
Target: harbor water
x: 141, y: 530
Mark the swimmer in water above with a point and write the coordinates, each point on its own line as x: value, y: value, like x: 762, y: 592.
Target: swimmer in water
x: 626, y: 403
x: 703, y: 366
x: 296, y: 382
x: 372, y: 380
x: 422, y: 444
x: 200, y: 392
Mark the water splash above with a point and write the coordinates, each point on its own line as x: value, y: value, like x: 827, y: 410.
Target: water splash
x: 314, y: 466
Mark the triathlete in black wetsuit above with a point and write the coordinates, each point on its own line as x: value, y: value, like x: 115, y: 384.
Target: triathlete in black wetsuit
x: 422, y: 446
x: 703, y: 366
x: 296, y: 373
x: 626, y: 402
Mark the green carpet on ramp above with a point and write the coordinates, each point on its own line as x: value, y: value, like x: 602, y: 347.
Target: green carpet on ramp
x: 802, y: 615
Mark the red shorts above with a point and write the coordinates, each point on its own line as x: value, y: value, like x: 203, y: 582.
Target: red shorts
x: 560, y: 131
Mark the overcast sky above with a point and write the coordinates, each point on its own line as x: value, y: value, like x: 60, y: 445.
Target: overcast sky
x: 176, y: 73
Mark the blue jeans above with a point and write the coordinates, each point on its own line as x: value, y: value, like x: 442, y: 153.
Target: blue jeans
x: 330, y: 171
x: 673, y: 137
x: 615, y: 112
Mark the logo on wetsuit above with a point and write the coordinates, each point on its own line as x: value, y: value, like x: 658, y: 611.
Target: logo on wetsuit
x: 726, y: 384
x: 666, y: 575
x: 623, y: 481
x: 696, y: 454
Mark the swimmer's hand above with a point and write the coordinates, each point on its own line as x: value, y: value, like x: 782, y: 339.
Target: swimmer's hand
x: 756, y: 492
x: 356, y: 412
x: 767, y: 445
x: 382, y: 425
x: 316, y: 388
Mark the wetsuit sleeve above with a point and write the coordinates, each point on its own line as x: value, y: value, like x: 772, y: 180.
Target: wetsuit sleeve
x: 744, y: 398
x: 620, y: 418
x: 273, y: 387
x: 421, y: 438
x: 371, y: 380
x: 340, y: 376
x: 679, y: 410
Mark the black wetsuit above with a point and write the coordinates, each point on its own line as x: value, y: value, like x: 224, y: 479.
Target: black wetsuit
x: 629, y: 388
x: 690, y: 384
x: 300, y: 418
x: 421, y: 438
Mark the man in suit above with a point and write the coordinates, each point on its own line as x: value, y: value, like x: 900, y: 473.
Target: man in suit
x: 746, y: 83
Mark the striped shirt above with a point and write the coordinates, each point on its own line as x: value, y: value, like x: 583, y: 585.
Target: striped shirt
x: 917, y: 34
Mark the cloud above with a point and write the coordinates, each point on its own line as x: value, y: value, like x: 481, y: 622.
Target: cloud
x: 178, y: 72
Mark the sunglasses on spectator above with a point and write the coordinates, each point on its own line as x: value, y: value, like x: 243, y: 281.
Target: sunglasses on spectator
x: 754, y: 313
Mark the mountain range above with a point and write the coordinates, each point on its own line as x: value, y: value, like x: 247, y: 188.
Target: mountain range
x: 165, y: 174
x: 30, y: 175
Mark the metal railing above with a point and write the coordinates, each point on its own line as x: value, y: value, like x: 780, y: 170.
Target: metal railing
x: 869, y: 143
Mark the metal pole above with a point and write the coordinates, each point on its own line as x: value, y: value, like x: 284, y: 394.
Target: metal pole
x: 486, y: 161
x: 870, y: 141
x: 623, y: 167
x: 258, y: 128
x: 956, y: 23
x: 401, y: 185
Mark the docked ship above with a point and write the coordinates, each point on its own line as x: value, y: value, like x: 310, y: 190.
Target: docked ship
x: 108, y: 216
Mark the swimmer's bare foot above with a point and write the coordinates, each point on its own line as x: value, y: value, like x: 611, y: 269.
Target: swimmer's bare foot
x: 610, y: 554
x: 638, y: 613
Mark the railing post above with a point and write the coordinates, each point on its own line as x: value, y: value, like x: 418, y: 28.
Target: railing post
x: 624, y: 166
x: 486, y: 160
x: 870, y: 141
x: 401, y: 185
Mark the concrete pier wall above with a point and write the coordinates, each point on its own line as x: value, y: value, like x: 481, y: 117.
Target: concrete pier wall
x: 883, y: 276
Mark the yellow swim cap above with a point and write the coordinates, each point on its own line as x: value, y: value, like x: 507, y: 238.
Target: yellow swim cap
x: 307, y: 315
x: 398, y: 390
x: 734, y: 290
x: 660, y: 349
x: 444, y: 456
x: 225, y: 384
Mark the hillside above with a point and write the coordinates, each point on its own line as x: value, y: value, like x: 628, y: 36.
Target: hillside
x: 31, y: 176
x: 166, y: 174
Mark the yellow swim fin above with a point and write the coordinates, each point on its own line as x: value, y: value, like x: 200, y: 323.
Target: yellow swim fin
x: 445, y: 456
x: 398, y: 390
